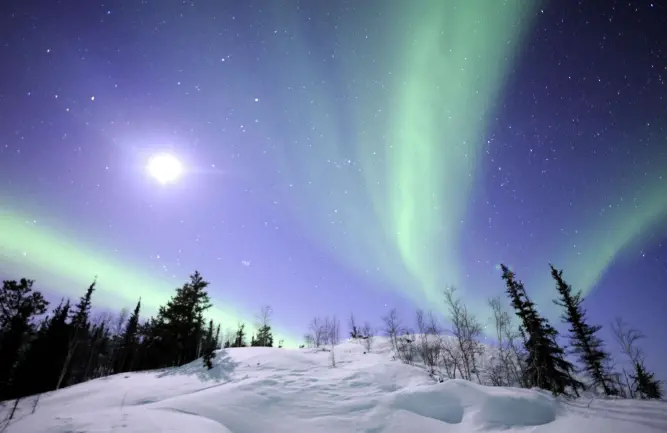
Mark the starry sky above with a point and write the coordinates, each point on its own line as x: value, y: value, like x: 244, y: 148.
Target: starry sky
x: 338, y: 156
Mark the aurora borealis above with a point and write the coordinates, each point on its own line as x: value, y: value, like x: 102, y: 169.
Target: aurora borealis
x: 338, y: 157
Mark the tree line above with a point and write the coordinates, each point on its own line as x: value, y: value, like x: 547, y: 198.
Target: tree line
x: 528, y: 352
x: 42, y: 352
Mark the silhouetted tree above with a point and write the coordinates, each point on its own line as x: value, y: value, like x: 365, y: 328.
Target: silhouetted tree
x: 78, y: 338
x: 627, y: 337
x: 393, y: 328
x: 546, y: 366
x: 646, y: 386
x: 179, y: 324
x: 355, y: 332
x: 466, y: 329
x: 129, y: 342
x: 264, y: 337
x: 40, y: 368
x: 209, y: 346
x: 585, y: 344
x: 239, y: 339
x: 19, y: 306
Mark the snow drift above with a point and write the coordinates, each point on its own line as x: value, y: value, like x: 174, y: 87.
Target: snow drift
x: 266, y: 390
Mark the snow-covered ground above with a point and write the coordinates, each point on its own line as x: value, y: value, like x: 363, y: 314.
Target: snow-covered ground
x: 265, y: 390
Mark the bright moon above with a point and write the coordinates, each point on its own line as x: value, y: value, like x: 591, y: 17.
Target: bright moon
x: 165, y: 168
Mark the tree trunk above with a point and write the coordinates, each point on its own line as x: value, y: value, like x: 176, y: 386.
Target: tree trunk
x: 68, y: 359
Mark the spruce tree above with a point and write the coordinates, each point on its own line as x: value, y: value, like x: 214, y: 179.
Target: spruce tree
x: 217, y: 336
x: 264, y: 337
x: 546, y: 366
x: 128, y: 342
x: 73, y: 366
x: 81, y: 312
x: 209, y: 346
x: 19, y: 305
x: 179, y: 323
x: 239, y: 340
x: 96, y: 353
x: 645, y: 384
x: 585, y: 344
x: 39, y: 370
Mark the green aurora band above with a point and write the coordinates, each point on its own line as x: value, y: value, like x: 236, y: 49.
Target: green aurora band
x: 56, y: 257
x: 422, y: 104
x: 413, y: 138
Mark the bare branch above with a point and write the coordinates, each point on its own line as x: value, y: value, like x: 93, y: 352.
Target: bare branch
x: 392, y: 327
x: 627, y: 338
x: 355, y: 332
x: 467, y: 330
x: 264, y: 316
x: 367, y: 336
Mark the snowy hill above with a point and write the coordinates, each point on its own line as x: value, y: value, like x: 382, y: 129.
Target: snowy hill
x: 266, y: 390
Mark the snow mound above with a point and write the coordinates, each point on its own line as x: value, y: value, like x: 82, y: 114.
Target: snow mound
x: 256, y: 390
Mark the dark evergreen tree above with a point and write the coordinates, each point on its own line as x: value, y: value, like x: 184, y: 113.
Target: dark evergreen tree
x: 19, y: 306
x: 150, y: 353
x: 584, y: 343
x: 209, y: 354
x: 73, y: 368
x: 97, y: 353
x: 39, y: 370
x: 264, y: 337
x: 546, y: 366
x: 217, y: 336
x: 209, y: 346
x: 646, y: 386
x: 178, y: 328
x: 239, y: 340
x: 128, y: 342
x: 81, y: 312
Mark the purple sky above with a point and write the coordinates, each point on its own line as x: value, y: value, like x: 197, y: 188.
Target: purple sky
x: 291, y: 195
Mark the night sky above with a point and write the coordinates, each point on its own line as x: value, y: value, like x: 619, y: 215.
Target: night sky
x: 339, y: 156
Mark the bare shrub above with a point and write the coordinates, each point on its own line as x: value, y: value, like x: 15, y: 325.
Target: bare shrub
x: 506, y: 366
x: 627, y: 338
x: 451, y: 357
x: 466, y: 329
x: 317, y: 333
x: 355, y: 331
x: 407, y: 348
x: 392, y: 328
x: 367, y: 336
x: 228, y: 337
x: 332, y: 332
x: 429, y: 339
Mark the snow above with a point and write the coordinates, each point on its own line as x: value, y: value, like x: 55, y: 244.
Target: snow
x: 257, y: 390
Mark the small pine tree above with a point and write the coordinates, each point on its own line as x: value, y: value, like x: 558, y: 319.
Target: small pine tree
x: 645, y: 383
x: 73, y: 365
x: 209, y: 346
x: 209, y: 354
x: 129, y: 342
x: 217, y: 336
x: 264, y: 337
x: 583, y: 339
x: 240, y: 340
x: 81, y: 311
x: 179, y: 325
